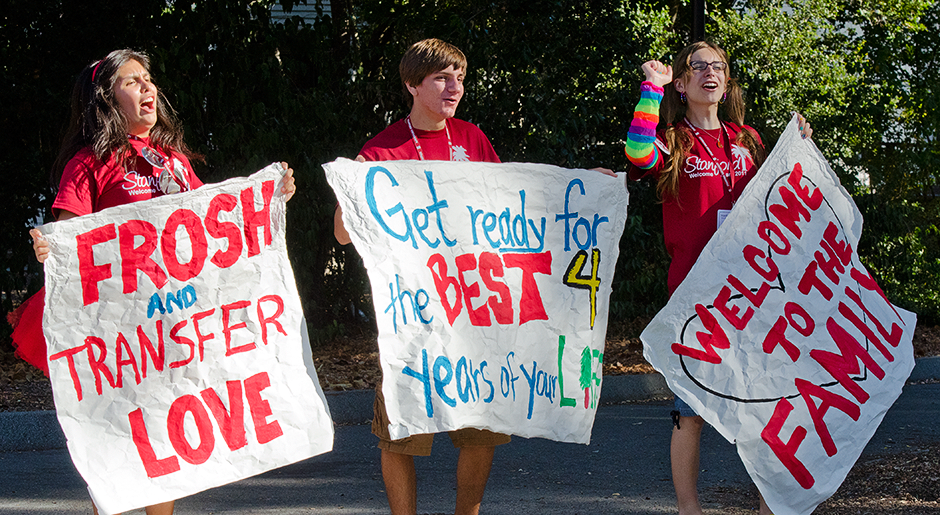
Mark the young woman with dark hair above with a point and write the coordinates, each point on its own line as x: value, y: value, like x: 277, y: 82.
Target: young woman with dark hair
x: 123, y: 145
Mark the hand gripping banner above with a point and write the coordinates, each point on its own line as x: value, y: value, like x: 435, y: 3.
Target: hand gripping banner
x: 780, y: 338
x: 178, y: 352
x: 491, y: 285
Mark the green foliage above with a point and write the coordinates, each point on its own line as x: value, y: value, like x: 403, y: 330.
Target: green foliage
x: 901, y: 248
x: 549, y: 81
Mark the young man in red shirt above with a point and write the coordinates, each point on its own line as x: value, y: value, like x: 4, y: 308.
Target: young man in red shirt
x: 432, y: 73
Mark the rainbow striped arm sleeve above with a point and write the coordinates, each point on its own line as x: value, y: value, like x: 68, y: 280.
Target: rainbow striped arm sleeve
x: 641, y: 140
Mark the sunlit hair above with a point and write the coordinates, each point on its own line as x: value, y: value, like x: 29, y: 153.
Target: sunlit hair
x: 678, y: 137
x: 98, y: 123
x: 426, y: 57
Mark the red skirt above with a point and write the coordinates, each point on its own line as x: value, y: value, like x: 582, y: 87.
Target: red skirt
x: 28, y: 340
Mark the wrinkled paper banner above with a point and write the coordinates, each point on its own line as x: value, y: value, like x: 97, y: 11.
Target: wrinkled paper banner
x: 178, y: 352
x: 491, y: 285
x: 780, y: 338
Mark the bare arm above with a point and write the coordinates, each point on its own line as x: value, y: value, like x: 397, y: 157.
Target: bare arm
x: 40, y: 244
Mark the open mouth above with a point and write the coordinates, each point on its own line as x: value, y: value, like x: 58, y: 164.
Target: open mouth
x: 149, y: 104
x: 710, y: 86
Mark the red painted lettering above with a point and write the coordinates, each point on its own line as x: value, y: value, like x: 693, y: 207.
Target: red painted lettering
x: 199, y: 248
x: 818, y: 411
x: 227, y: 230
x: 265, y: 320
x: 812, y: 199
x: 491, y: 266
x: 182, y: 340
x: 255, y: 220
x: 152, y: 465
x: 175, y: 430
x: 777, y: 336
x: 774, y: 237
x: 231, y: 422
x: 751, y: 253
x: 443, y: 282
x: 134, y: 258
x: 790, y: 214
x: 530, y: 302
x: 841, y: 365
x: 714, y: 338
x: 786, y: 452
x: 756, y: 298
x: 260, y: 410
x: 810, y: 280
x: 158, y: 356
x: 228, y: 327
x: 120, y: 347
x: 90, y: 273
x: 731, y: 312
x: 478, y: 316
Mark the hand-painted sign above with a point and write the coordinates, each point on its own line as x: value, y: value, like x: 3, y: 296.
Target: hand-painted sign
x: 177, y: 348
x: 491, y: 285
x: 780, y: 338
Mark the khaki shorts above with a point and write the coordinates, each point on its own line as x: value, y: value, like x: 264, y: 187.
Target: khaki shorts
x: 420, y: 445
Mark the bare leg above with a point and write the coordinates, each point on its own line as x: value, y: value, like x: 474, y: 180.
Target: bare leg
x: 164, y: 508
x: 401, y: 485
x: 764, y: 509
x: 473, y: 470
x: 684, y: 455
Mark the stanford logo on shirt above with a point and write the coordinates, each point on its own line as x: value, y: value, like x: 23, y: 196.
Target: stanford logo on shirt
x: 697, y: 166
x: 136, y: 184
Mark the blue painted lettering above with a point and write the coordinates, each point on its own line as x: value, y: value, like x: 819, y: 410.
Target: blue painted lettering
x: 406, y: 226
x: 506, y: 232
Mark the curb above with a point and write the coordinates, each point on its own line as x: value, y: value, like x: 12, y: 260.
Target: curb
x: 40, y: 430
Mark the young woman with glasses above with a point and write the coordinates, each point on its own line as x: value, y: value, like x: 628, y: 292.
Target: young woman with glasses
x: 701, y: 156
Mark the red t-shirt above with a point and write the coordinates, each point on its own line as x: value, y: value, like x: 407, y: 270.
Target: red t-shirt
x: 706, y: 193
x: 395, y: 143
x: 89, y: 185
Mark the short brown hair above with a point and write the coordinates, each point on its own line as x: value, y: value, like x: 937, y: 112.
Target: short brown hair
x: 426, y: 57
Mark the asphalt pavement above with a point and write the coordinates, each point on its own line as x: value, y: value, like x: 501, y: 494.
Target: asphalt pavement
x: 625, y: 469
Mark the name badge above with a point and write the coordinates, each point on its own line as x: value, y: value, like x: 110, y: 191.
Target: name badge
x: 722, y: 214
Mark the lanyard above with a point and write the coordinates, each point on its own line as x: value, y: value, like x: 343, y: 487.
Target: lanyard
x: 167, y: 176
x: 414, y: 138
x: 727, y: 179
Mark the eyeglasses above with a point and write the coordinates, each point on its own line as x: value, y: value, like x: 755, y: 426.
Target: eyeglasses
x: 700, y: 66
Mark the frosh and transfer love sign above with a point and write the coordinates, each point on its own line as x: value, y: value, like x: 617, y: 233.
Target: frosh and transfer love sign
x: 177, y: 347
x: 491, y: 285
x: 780, y: 338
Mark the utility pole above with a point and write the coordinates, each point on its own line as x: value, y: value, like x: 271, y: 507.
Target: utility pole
x: 698, y: 20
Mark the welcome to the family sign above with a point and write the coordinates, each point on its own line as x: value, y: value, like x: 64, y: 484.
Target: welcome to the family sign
x: 177, y: 347
x: 491, y: 285
x: 780, y: 338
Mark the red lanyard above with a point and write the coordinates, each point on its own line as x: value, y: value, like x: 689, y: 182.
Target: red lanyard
x: 414, y: 138
x: 724, y: 177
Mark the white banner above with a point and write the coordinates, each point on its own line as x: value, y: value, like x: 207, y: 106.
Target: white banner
x: 780, y: 338
x: 491, y: 285
x: 178, y: 352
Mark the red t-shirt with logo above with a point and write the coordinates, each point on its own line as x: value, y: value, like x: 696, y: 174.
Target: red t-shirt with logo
x: 396, y: 143
x: 706, y: 192
x: 89, y: 185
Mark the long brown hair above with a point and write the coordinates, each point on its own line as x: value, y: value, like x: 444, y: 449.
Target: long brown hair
x: 97, y: 122
x: 678, y: 138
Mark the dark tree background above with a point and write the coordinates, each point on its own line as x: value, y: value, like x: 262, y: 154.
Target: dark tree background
x: 548, y: 81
